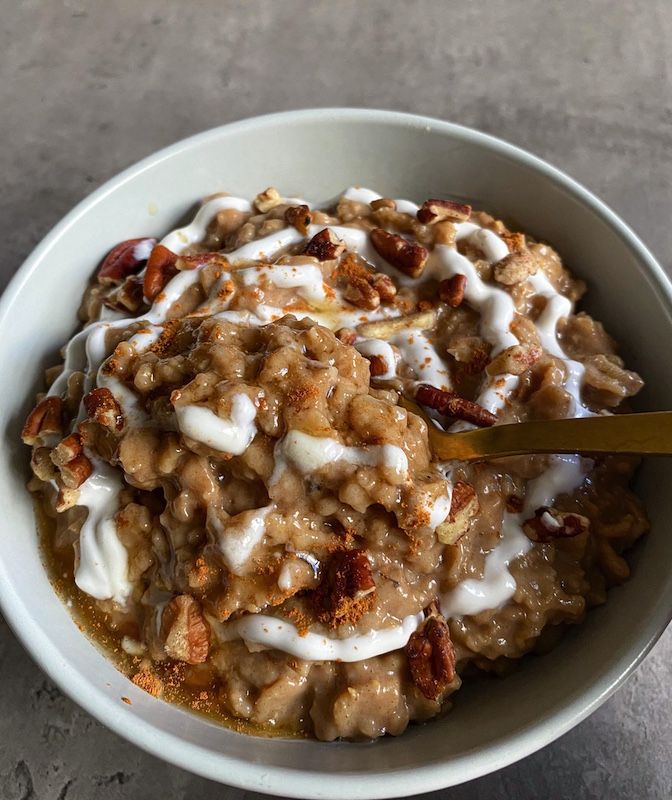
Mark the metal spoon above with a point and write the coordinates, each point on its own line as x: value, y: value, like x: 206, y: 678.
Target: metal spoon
x: 648, y: 434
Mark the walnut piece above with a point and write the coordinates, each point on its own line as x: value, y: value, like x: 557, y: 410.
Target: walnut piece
x: 431, y: 656
x: 346, y: 590
x: 184, y: 630
x: 408, y: 257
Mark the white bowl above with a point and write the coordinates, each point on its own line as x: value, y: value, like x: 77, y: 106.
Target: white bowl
x: 316, y: 154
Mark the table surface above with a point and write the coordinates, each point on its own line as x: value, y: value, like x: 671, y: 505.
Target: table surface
x: 88, y: 88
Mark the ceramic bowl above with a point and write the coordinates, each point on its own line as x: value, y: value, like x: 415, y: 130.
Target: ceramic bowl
x: 316, y: 154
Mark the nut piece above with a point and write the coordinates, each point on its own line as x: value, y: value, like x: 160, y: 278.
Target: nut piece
x: 464, y: 507
x: 44, y: 420
x: 346, y: 590
x: 383, y: 202
x: 514, y: 268
x: 358, y: 282
x: 431, y: 656
x: 66, y: 498
x: 385, y: 287
x: 377, y: 365
x: 408, y: 257
x: 515, y: 360
x: 451, y: 290
x: 160, y: 269
x: 386, y: 328
x: 267, y: 200
x: 128, y: 297
x: 514, y: 241
x: 67, y: 450
x: 549, y: 524
x: 299, y: 217
x: 184, y: 630
x: 346, y: 335
x: 324, y: 246
x: 452, y: 405
x: 432, y: 211
x: 125, y: 259
x: 75, y: 472
x: 102, y: 407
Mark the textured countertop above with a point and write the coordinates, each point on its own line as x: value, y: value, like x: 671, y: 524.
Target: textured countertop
x: 90, y: 87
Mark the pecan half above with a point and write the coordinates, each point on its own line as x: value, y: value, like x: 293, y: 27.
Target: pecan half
x: 299, y: 217
x: 102, y: 407
x: 437, y: 210
x: 346, y: 590
x: 451, y: 290
x: 160, y: 269
x: 431, y: 656
x: 515, y: 360
x: 184, y: 630
x: 549, y: 524
x: 514, y: 268
x: 124, y: 259
x: 408, y: 257
x: 464, y: 507
x: 324, y: 246
x: 452, y: 405
x: 44, y: 420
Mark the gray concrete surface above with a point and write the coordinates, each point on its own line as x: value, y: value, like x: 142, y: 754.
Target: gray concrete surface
x: 89, y: 87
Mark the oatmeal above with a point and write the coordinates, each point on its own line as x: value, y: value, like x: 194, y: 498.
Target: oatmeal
x: 238, y: 508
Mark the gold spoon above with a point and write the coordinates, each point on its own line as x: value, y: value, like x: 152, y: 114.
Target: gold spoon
x: 648, y: 434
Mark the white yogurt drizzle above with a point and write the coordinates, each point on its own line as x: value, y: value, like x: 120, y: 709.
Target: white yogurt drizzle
x: 232, y: 436
x: 103, y: 559
x: 238, y: 536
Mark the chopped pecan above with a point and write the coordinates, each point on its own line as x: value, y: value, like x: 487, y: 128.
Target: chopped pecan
x: 408, y: 257
x: 102, y: 407
x: 128, y: 297
x: 382, y: 202
x: 160, y: 269
x: 514, y: 241
x: 67, y: 450
x: 65, y: 499
x: 42, y: 465
x: 451, y: 290
x: 324, y: 246
x: 75, y: 472
x: 549, y: 524
x: 471, y: 353
x: 385, y: 287
x: 431, y: 656
x: 125, y: 259
x: 452, y: 405
x: 44, y: 420
x: 185, y: 632
x: 377, y: 365
x: 346, y: 590
x: 299, y: 217
x: 515, y: 360
x: 464, y: 507
x: 267, y: 200
x: 357, y: 278
x: 346, y: 335
x: 514, y: 268
x: 437, y: 210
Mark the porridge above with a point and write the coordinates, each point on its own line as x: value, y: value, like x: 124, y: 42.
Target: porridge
x: 237, y: 507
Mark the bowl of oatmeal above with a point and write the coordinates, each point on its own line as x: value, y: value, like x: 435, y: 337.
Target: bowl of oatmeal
x: 237, y: 549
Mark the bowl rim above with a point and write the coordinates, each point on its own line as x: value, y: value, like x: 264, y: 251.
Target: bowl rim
x: 295, y: 782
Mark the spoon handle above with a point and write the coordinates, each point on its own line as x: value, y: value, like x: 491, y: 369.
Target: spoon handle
x: 647, y: 434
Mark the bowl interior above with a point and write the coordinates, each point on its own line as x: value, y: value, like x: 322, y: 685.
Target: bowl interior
x: 316, y: 154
